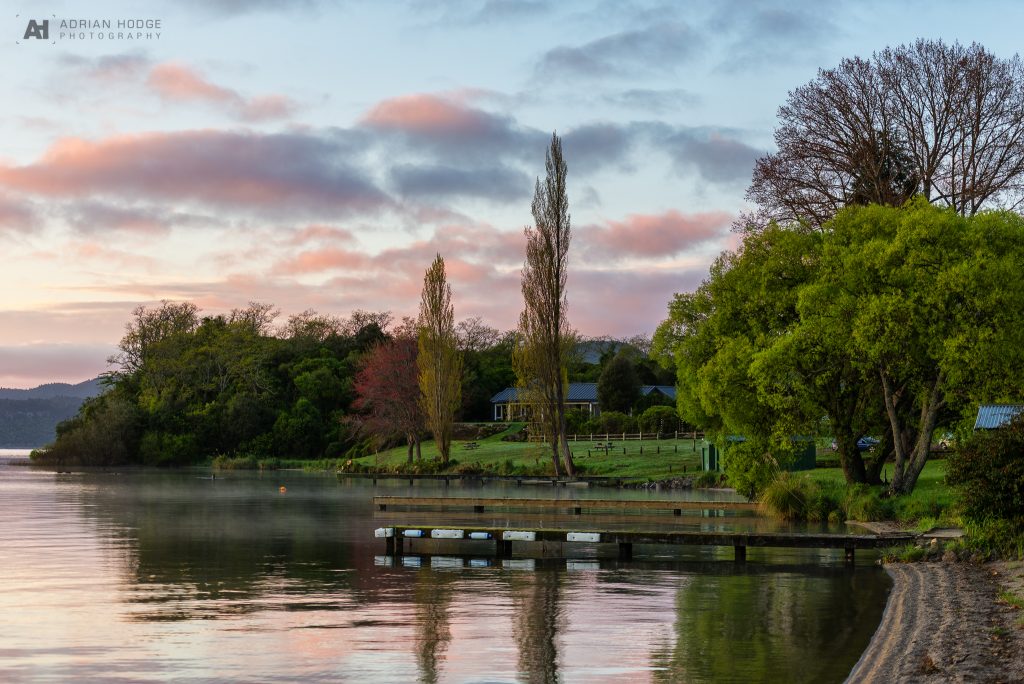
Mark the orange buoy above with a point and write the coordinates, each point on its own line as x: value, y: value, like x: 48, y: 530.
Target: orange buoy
x: 282, y: 489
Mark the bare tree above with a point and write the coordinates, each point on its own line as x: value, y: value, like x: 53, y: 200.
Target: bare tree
x: 943, y: 120
x: 439, y: 360
x: 475, y: 335
x: 545, y: 340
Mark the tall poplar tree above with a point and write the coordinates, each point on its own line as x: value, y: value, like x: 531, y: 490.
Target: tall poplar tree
x: 545, y: 339
x: 439, y: 360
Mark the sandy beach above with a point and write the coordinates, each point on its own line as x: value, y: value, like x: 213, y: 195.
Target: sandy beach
x: 944, y: 623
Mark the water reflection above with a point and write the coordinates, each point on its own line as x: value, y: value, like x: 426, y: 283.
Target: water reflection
x: 537, y: 623
x: 433, y: 598
x: 230, y: 579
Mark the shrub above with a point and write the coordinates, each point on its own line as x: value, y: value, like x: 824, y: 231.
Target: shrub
x: 826, y: 503
x: 707, y: 479
x: 659, y: 419
x: 988, y: 471
x: 576, y: 422
x: 750, y: 466
x: 864, y: 503
x: 788, y: 496
x: 613, y: 422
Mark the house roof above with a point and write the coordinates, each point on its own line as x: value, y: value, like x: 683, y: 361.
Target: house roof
x: 668, y: 390
x: 580, y: 392
x: 991, y: 416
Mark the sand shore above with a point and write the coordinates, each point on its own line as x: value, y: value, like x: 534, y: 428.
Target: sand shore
x: 944, y: 623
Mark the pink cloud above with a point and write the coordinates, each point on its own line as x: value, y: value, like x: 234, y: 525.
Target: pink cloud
x: 624, y: 303
x: 320, y: 260
x: 291, y: 173
x: 424, y: 113
x: 267, y: 107
x: 178, y: 83
x: 653, y: 235
x: 316, y: 232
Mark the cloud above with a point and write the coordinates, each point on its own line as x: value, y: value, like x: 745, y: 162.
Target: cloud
x: 653, y: 236
x: 504, y: 11
x: 448, y: 126
x: 87, y: 323
x: 15, y: 215
x: 756, y: 37
x: 93, y: 217
x: 500, y: 184
x: 717, y: 155
x: 109, y: 69
x: 594, y: 146
x: 286, y: 173
x: 653, y: 101
x: 316, y: 232
x: 466, y: 140
x: 237, y: 7
x: 661, y: 47
x: 178, y: 83
x: 624, y: 303
x: 31, y: 365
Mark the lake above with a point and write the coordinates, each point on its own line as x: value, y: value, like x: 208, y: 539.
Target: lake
x: 141, y: 575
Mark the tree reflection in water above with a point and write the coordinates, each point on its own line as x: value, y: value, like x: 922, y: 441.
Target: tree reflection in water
x: 433, y: 597
x: 538, y: 620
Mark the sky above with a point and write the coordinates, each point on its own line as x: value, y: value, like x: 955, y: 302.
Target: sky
x: 317, y: 155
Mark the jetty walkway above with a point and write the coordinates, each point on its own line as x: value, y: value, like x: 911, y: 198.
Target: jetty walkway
x: 501, y: 538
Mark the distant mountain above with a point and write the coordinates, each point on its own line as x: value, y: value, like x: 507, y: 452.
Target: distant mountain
x: 83, y: 390
x: 29, y: 417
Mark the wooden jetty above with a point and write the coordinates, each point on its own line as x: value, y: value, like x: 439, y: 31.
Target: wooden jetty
x: 575, y: 506
x: 502, y: 539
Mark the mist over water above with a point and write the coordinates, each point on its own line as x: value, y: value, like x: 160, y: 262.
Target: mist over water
x: 149, y: 575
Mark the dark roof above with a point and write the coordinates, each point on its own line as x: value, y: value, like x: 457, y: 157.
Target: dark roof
x: 991, y: 416
x: 668, y: 390
x: 582, y: 392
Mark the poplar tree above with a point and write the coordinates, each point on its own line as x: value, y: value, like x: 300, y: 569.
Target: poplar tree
x: 545, y: 340
x: 439, y: 360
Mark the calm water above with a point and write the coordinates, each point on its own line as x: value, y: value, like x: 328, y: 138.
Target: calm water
x: 156, y: 576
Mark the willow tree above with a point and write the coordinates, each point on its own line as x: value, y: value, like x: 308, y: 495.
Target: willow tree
x: 439, y: 360
x: 545, y: 340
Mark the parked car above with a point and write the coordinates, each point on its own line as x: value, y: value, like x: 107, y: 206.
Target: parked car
x: 866, y: 443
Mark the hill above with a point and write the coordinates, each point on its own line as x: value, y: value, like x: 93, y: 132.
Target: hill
x: 51, y: 390
x: 29, y: 417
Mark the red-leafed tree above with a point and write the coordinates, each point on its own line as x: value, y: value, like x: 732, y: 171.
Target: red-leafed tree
x: 388, y: 391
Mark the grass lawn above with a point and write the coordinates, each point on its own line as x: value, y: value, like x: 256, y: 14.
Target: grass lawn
x: 647, y: 459
x: 930, y: 498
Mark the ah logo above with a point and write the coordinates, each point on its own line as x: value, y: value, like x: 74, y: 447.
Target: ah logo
x: 38, y: 29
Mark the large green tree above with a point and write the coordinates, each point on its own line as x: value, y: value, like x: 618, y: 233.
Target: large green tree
x: 931, y: 304
x: 879, y: 323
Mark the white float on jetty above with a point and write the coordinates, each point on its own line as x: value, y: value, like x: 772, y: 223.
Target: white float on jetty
x: 518, y: 535
x: 412, y: 533
x: 480, y: 536
x: 384, y: 532
x: 592, y: 537
x: 447, y: 534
